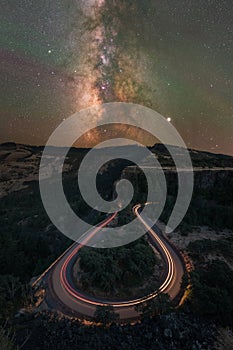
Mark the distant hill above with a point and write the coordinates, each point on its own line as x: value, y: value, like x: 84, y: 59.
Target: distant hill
x: 199, y: 158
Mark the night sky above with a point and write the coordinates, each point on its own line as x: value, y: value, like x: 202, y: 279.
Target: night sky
x: 174, y: 56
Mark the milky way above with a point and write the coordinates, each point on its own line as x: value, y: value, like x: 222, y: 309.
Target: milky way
x: 174, y: 56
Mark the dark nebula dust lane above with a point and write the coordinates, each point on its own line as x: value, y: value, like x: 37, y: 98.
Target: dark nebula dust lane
x: 174, y: 57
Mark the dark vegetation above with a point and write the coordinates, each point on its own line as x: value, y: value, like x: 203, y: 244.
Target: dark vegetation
x: 211, y: 293
x: 212, y: 280
x: 116, y: 271
x: 7, y: 339
x: 211, y: 204
x: 161, y: 305
x: 105, y: 315
x: 202, y: 212
x: 200, y: 248
x: 176, y: 330
x: 29, y: 243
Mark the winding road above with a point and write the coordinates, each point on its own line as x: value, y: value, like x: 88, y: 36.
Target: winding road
x: 62, y: 294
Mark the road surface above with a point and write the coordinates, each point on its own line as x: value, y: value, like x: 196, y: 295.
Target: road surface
x: 62, y: 294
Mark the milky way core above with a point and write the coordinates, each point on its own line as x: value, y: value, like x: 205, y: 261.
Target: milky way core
x: 174, y: 57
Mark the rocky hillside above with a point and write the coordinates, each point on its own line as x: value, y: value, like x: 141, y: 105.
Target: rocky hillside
x: 28, y: 238
x: 19, y: 165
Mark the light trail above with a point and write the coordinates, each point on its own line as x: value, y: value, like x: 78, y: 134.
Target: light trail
x: 62, y: 294
x: 86, y: 299
x: 105, y: 222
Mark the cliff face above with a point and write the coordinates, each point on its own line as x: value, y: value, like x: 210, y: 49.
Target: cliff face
x: 20, y: 166
x: 203, y: 178
x: 210, y: 170
x: 212, y: 178
x: 212, y: 201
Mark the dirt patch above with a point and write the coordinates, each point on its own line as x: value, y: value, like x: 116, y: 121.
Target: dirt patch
x: 199, y: 233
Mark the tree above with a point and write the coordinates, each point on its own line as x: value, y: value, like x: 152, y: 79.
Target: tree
x: 105, y: 314
x: 112, y: 270
x: 212, y: 292
x: 159, y: 305
x: 10, y: 295
x: 6, y: 340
